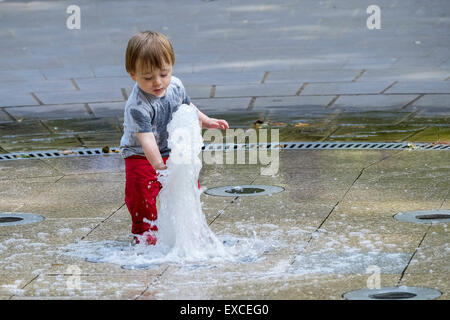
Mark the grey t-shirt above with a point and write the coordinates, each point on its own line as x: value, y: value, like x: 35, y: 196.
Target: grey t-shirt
x: 147, y: 113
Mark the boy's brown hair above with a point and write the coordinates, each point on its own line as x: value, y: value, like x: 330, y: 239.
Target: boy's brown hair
x: 150, y: 50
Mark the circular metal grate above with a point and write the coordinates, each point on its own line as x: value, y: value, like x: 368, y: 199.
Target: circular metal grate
x: 9, y: 219
x: 424, y: 216
x: 241, y: 190
x: 139, y: 266
x: 244, y: 190
x: 16, y: 219
x: 393, y: 293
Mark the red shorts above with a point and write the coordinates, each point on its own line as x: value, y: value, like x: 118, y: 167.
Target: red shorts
x: 141, y: 189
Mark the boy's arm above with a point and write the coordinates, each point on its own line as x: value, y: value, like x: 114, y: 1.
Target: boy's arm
x: 211, y: 123
x: 151, y: 150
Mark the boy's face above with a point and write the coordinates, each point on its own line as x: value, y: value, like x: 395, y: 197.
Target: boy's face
x: 155, y: 81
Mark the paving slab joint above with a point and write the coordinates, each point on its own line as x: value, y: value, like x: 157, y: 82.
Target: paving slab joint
x: 35, y: 97
x: 251, y: 103
x: 299, y: 91
x: 388, y: 87
x: 75, y: 84
x: 102, y: 221
x: 8, y: 114
x: 408, y: 116
x: 266, y: 74
x: 212, y: 92
x: 124, y: 93
x: 89, y: 109
x: 412, y: 101
x: 332, y: 101
x: 412, y: 256
x: 359, y: 75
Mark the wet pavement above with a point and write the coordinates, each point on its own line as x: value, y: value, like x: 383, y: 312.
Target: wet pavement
x: 316, y: 239
x: 314, y: 71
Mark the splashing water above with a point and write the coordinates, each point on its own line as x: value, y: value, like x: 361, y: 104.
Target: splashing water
x: 182, y: 226
x: 183, y: 233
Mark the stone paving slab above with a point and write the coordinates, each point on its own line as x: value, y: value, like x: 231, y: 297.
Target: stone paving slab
x: 299, y: 102
x: 104, y: 83
x: 101, y: 71
x: 349, y: 160
x: 106, y: 164
x: 17, y: 98
x: 20, y: 75
x: 61, y: 97
x: 40, y: 142
x: 438, y: 281
x: 100, y: 140
x: 433, y: 253
x: 256, y: 90
x: 373, y: 117
x: 82, y: 204
x: 374, y: 133
x: 350, y: 263
x: 364, y: 218
x: 66, y: 73
x: 12, y: 88
x: 433, y: 100
x: 431, y: 134
x: 299, y: 77
x: 292, y: 287
x: 224, y: 105
x: 25, y: 127
x: 50, y: 233
x: 4, y: 117
x: 107, y: 109
x: 17, y: 169
x: 434, y: 112
x: 197, y: 92
x: 345, y: 88
x: 87, y: 126
x: 445, y: 65
x: 402, y: 74
x: 371, y: 63
x: 100, y: 269
x: 70, y: 111
x: 105, y: 286
x: 218, y: 78
x: 420, y: 87
x: 425, y: 62
x: 373, y: 102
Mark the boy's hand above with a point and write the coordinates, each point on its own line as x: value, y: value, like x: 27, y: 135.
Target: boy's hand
x: 212, y: 123
x: 160, y: 166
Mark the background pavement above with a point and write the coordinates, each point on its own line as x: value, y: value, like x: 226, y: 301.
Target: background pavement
x: 286, y: 62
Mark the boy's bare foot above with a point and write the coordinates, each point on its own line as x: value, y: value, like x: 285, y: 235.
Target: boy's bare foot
x: 146, y: 238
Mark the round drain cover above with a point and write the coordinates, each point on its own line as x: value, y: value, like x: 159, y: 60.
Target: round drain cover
x: 393, y: 293
x: 9, y: 219
x: 16, y: 219
x: 425, y: 216
x: 244, y: 190
x: 140, y: 267
x: 240, y: 190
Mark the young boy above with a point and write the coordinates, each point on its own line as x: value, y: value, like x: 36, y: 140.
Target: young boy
x: 155, y: 96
